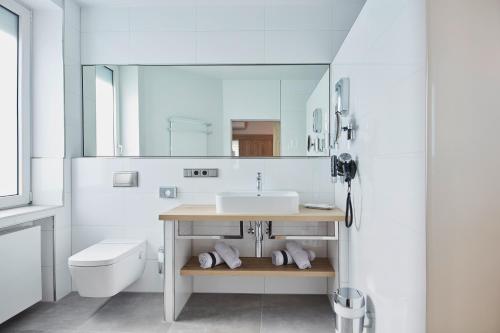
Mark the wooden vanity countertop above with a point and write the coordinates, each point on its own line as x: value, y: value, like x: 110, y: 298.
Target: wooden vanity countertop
x: 208, y: 213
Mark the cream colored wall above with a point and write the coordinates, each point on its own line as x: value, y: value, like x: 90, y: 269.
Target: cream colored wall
x: 463, y: 228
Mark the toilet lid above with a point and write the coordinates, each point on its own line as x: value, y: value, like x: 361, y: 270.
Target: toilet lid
x: 103, y: 254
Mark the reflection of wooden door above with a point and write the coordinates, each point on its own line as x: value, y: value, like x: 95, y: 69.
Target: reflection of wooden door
x: 255, y: 145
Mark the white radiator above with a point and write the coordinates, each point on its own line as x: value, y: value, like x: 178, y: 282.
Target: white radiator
x: 20, y: 271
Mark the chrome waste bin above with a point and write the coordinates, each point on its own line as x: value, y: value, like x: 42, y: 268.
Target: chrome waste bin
x: 349, y: 306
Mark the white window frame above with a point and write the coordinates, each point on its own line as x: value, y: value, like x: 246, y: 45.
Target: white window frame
x: 24, y: 99
x: 117, y: 146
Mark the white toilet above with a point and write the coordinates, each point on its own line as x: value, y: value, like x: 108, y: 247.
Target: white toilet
x: 108, y: 267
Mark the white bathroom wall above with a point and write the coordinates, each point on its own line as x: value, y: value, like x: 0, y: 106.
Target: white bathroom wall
x: 294, y: 95
x: 384, y: 56
x: 47, y: 111
x: 463, y: 163
x: 48, y: 167
x: 187, y: 32
x: 101, y: 211
x: 224, y: 31
x: 72, y: 80
x: 248, y: 100
x: 166, y: 92
x: 73, y: 122
x: 47, y: 76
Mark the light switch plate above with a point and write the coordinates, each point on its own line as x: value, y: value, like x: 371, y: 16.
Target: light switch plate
x: 168, y: 192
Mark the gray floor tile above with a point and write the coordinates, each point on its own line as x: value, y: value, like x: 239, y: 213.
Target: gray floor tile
x: 297, y: 313
x: 220, y: 313
x: 204, y: 313
x: 68, y: 313
x: 129, y: 312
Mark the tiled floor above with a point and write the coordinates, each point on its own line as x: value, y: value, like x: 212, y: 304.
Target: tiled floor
x: 204, y: 313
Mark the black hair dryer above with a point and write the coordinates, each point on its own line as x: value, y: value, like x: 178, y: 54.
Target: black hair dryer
x: 344, y: 167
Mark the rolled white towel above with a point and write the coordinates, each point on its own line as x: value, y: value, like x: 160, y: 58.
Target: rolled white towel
x: 228, y: 255
x: 300, y: 256
x: 212, y: 258
x: 283, y: 257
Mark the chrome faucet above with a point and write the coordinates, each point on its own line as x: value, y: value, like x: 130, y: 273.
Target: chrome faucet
x: 259, y: 181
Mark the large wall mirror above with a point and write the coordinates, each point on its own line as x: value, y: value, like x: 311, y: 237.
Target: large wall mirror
x: 226, y: 111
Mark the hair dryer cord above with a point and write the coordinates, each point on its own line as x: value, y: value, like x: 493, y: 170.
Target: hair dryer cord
x: 348, y: 210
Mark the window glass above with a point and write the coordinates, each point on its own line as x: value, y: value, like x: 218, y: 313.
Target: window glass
x: 9, y: 141
x: 105, y: 110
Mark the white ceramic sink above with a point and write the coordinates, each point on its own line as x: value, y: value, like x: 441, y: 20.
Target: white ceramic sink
x: 273, y: 202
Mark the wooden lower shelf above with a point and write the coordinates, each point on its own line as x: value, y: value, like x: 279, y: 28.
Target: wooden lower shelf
x: 321, y: 267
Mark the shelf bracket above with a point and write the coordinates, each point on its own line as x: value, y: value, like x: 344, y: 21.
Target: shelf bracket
x: 178, y: 234
x: 335, y: 236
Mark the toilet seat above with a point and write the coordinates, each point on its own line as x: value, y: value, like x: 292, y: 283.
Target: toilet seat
x: 104, y: 253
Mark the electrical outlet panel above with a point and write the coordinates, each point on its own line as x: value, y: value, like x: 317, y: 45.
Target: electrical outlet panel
x: 201, y: 172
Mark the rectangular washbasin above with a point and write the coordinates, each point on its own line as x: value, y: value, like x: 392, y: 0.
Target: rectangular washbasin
x: 272, y: 202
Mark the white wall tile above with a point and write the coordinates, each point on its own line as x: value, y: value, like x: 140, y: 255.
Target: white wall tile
x: 163, y: 47
x: 105, y: 19
x: 72, y: 14
x: 240, y: 26
x: 48, y: 284
x: 47, y: 181
x: 281, y: 175
x: 47, y: 84
x: 106, y: 47
x: 230, y: 47
x: 289, y: 17
x: 300, y: 46
x: 298, y: 285
x: 47, y: 248
x: 229, y: 284
x: 244, y: 3
x: 72, y: 49
x: 345, y: 13
x: 63, y: 282
x: 150, y: 281
x: 88, y: 235
x: 323, y: 3
x: 133, y: 212
x: 167, y: 18
x: 389, y: 192
x: 73, y: 80
x: 228, y: 31
x: 224, y: 18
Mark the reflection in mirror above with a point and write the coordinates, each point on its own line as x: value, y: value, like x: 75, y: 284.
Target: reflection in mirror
x: 255, y: 138
x: 228, y: 110
x: 317, y: 120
